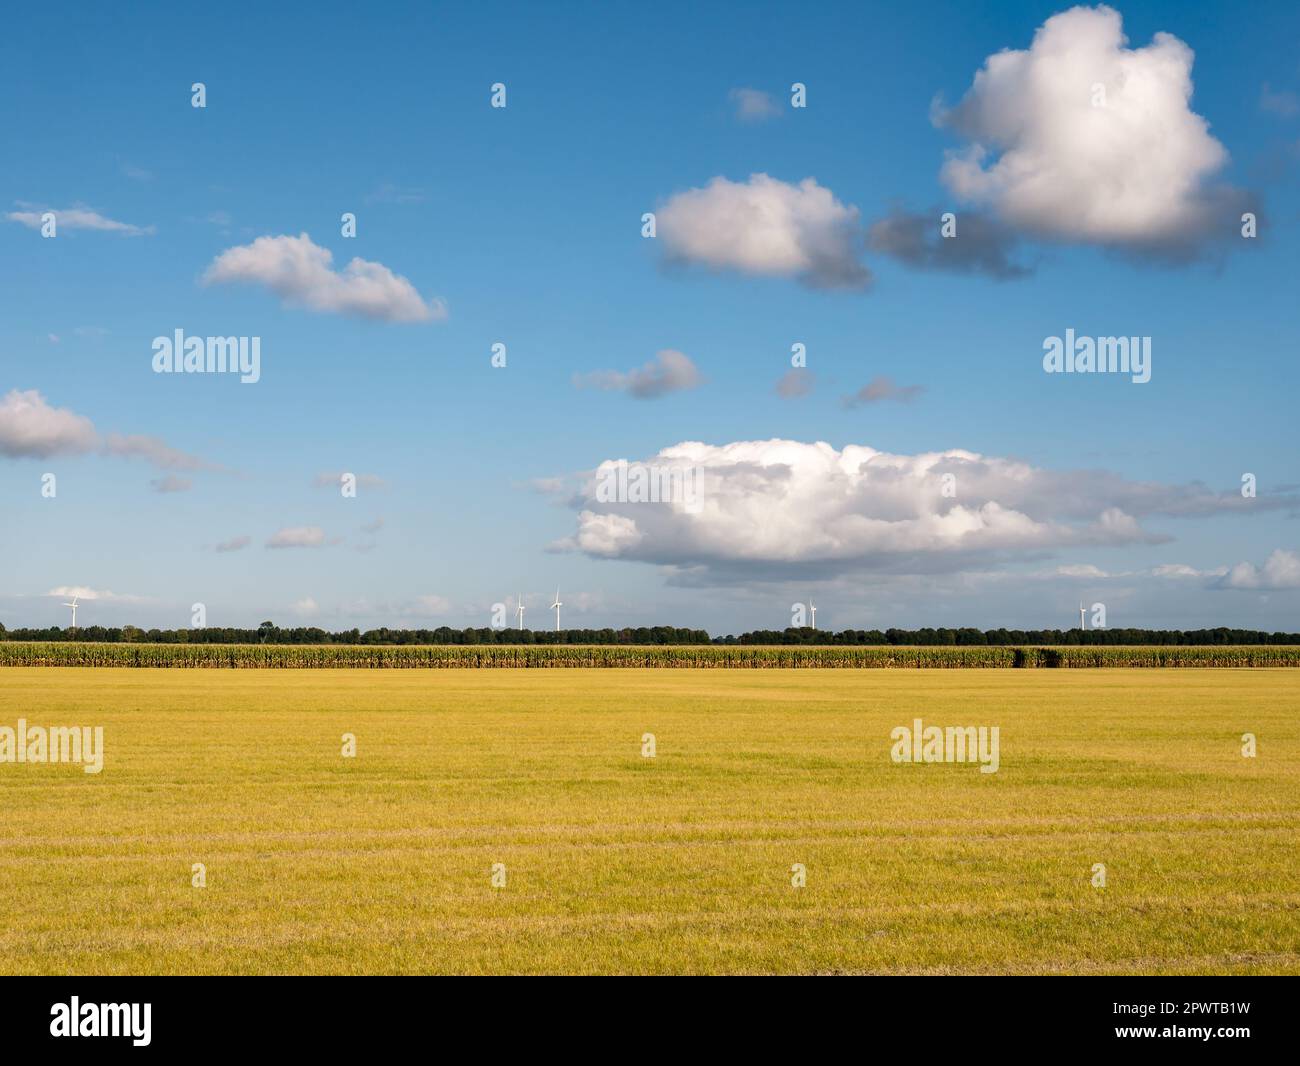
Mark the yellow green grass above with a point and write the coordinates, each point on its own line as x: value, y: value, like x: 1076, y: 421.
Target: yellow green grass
x: 678, y: 864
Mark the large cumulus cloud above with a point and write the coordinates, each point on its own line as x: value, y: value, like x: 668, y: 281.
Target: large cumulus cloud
x: 778, y: 508
x: 1080, y: 138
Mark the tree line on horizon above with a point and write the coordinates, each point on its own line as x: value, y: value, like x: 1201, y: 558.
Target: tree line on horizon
x: 269, y: 633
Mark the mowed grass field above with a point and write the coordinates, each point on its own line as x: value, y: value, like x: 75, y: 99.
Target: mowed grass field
x: 616, y: 863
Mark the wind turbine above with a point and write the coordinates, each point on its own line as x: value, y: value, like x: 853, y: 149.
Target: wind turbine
x: 813, y: 607
x: 520, y: 611
x: 1082, y: 613
x: 73, y: 605
x: 557, y: 605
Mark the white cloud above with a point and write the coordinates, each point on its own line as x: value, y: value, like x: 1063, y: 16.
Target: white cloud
x: 1281, y: 570
x: 297, y: 537
x: 306, y: 607
x: 669, y: 371
x: 780, y: 508
x: 74, y: 218
x: 31, y: 428
x: 234, y: 544
x: 300, y: 273
x: 1133, y: 170
x: 608, y: 535
x: 766, y: 227
x: 753, y: 105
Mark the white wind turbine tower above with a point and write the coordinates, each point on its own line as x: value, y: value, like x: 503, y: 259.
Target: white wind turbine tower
x: 520, y: 610
x: 73, y: 605
x: 1082, y: 613
x: 556, y: 607
x: 813, y: 607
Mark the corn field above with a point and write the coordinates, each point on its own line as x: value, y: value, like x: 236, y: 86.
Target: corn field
x: 379, y: 657
x: 1177, y: 655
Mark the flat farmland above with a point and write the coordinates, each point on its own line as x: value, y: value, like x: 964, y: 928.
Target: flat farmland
x: 496, y: 821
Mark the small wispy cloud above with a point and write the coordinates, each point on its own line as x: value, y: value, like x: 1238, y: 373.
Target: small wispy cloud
x: 84, y: 592
x: 882, y: 389
x: 795, y: 382
x: 154, y: 451
x: 171, y: 483
x: 77, y: 217
x: 389, y: 193
x: 1081, y: 570
x: 1181, y: 571
x: 234, y: 544
x: 669, y: 371
x: 1283, y: 102
x: 301, y: 273
x: 753, y: 105
x: 334, y: 480
x: 426, y: 606
x: 297, y: 537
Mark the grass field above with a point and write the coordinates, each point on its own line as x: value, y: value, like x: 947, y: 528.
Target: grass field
x: 680, y: 863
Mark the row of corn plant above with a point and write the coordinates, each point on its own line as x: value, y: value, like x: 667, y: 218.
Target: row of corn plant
x: 534, y: 656
x: 262, y: 656
x: 1173, y: 655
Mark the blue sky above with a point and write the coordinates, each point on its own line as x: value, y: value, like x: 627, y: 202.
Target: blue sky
x: 524, y: 222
